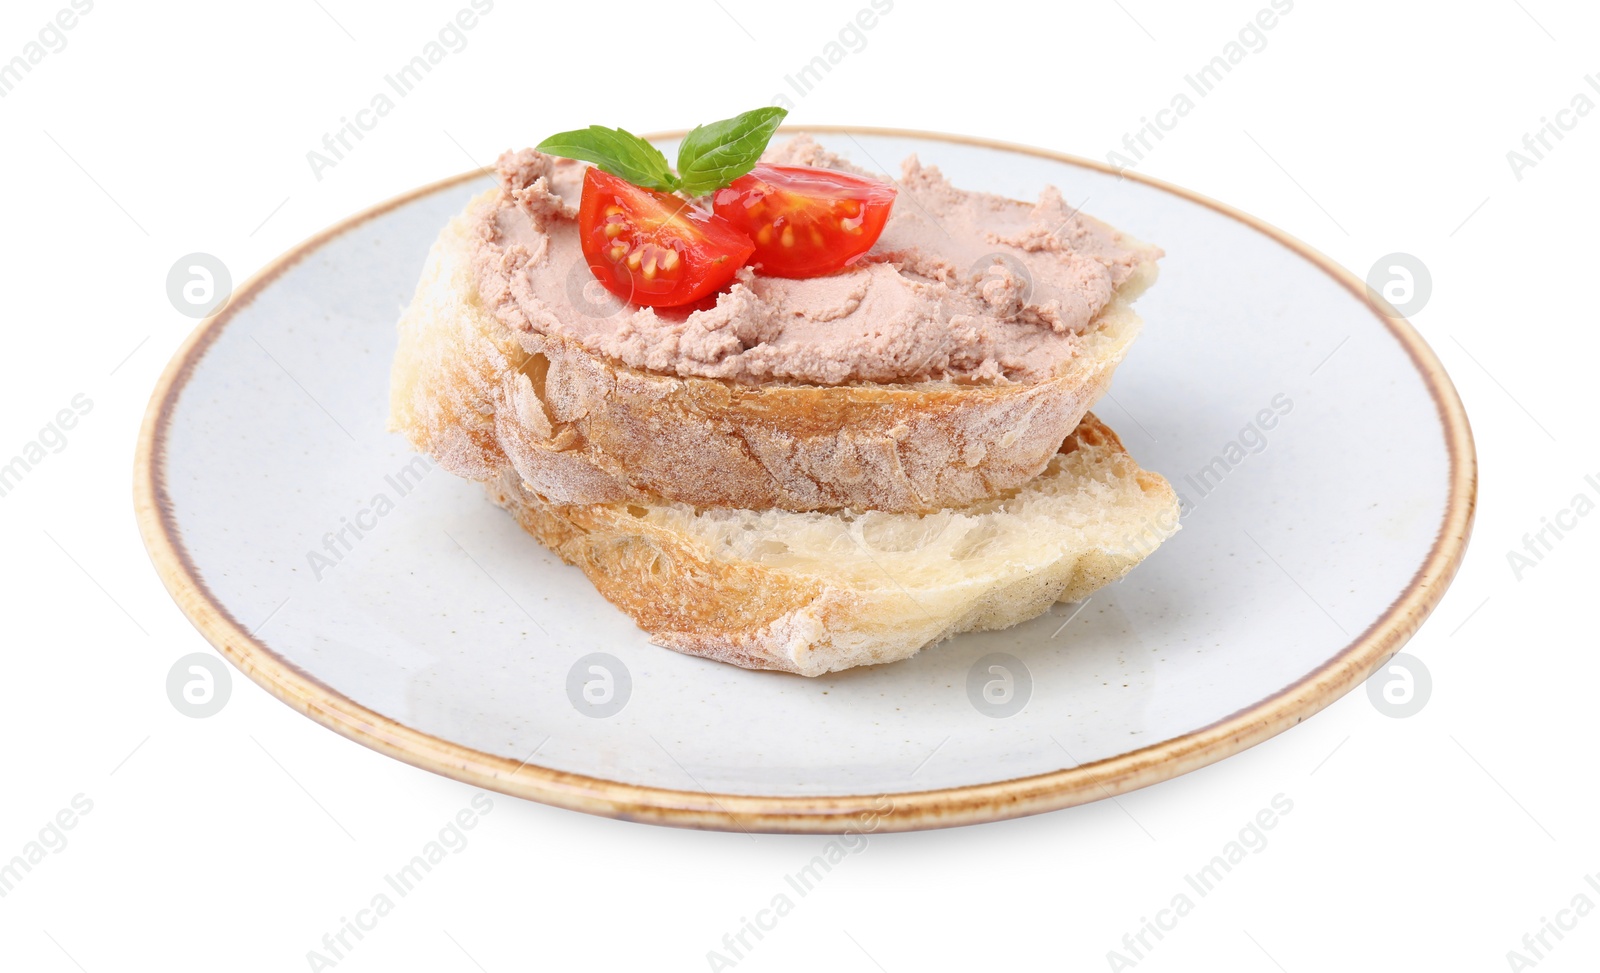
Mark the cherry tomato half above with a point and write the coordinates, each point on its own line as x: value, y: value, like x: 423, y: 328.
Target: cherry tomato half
x: 655, y: 248
x: 806, y: 221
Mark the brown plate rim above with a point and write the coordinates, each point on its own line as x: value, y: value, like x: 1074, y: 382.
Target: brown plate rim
x: 906, y: 811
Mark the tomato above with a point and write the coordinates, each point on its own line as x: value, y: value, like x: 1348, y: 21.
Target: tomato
x: 806, y: 221
x: 655, y: 248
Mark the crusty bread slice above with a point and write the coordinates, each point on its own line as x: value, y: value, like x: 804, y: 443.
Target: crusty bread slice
x: 582, y: 429
x: 817, y: 592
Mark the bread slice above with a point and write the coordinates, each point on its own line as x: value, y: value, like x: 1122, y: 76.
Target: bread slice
x: 817, y: 592
x: 582, y: 429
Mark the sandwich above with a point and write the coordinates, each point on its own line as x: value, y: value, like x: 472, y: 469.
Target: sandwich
x: 783, y: 411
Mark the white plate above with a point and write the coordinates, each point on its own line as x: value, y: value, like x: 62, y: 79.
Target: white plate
x: 446, y: 637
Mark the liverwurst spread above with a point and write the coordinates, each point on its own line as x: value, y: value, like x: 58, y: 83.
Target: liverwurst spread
x: 961, y: 286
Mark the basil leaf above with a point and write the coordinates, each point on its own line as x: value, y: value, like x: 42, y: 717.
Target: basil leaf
x: 619, y: 152
x: 714, y: 155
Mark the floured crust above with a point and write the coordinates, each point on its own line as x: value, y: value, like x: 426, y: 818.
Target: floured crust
x: 580, y: 429
x: 815, y: 593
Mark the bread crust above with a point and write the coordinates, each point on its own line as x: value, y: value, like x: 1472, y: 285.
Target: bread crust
x: 581, y: 429
x: 703, y: 601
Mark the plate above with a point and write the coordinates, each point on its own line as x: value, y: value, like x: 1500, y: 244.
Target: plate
x: 1324, y: 462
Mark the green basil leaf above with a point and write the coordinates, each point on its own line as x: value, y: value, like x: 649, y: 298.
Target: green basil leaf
x: 714, y: 155
x: 619, y: 152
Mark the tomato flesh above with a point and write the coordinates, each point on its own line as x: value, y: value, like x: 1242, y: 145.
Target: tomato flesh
x: 806, y: 221
x: 655, y: 248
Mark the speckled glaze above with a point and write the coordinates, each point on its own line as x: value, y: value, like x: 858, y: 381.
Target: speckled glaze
x: 1324, y: 460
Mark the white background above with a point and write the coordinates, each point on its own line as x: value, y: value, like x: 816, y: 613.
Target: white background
x: 236, y: 842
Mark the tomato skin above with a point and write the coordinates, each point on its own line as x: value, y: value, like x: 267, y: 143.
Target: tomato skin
x: 806, y: 221
x: 655, y: 248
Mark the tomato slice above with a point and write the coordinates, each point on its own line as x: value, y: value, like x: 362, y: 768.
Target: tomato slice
x: 806, y: 221
x: 655, y: 248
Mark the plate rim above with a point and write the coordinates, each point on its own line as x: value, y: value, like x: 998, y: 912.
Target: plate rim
x: 832, y: 814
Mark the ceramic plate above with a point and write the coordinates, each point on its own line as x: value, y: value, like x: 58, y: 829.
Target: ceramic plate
x: 1323, y: 458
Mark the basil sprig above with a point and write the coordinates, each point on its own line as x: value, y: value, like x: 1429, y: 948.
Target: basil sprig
x: 617, y: 151
x: 710, y: 157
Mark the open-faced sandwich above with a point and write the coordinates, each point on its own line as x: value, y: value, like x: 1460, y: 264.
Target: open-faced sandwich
x: 782, y: 411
